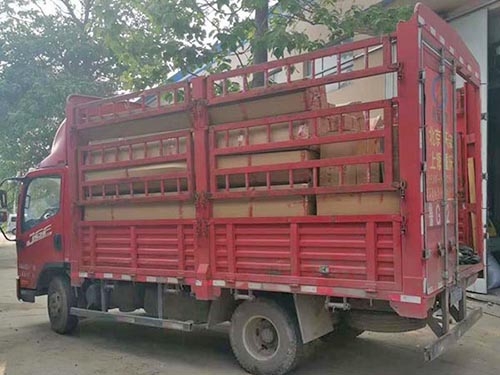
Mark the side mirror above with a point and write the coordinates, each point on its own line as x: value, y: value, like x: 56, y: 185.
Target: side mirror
x: 3, y: 199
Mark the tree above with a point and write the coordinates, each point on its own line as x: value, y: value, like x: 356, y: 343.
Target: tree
x: 45, y: 55
x: 52, y: 48
x: 153, y: 38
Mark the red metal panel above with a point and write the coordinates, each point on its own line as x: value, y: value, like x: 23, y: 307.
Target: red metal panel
x: 239, y: 76
x: 105, y: 157
x: 165, y: 99
x: 409, y: 56
x: 312, y: 118
x: 150, y: 248
x: 310, y: 249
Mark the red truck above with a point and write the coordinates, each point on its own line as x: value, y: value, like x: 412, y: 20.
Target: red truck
x: 341, y: 196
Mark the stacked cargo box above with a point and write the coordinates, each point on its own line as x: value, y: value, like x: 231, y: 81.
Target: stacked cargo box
x: 138, y: 155
x: 290, y: 205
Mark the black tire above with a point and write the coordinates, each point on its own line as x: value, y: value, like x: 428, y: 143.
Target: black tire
x: 59, y: 301
x: 264, y: 322
x: 341, y: 333
x: 385, y: 322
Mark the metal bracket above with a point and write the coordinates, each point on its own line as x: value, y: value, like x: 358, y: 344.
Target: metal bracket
x: 441, y: 249
x: 404, y: 225
x: 344, y: 306
x: 421, y: 76
x: 400, y: 66
x: 241, y: 296
x: 324, y: 270
x: 426, y: 254
x: 438, y: 347
x: 401, y: 186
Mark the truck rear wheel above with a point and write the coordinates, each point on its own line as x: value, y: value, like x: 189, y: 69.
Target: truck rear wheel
x: 265, y: 338
x: 341, y: 333
x: 59, y: 301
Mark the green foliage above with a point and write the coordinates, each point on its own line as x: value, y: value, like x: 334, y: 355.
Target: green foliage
x: 52, y: 48
x: 43, y: 59
x: 153, y: 38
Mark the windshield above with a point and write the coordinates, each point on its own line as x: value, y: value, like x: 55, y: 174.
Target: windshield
x: 41, y: 200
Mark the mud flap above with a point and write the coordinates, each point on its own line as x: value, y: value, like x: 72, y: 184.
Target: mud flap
x: 314, y: 319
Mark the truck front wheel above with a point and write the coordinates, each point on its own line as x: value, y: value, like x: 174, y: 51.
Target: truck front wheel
x: 265, y: 338
x: 59, y: 301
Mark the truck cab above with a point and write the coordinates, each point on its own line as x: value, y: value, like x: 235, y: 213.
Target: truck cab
x: 39, y: 235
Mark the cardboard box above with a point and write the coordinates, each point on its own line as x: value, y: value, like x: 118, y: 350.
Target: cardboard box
x: 141, y: 211
x: 265, y: 207
x: 139, y: 151
x: 268, y: 158
x: 352, y: 174
x: 259, y: 134
x: 269, y: 106
x: 359, y: 204
x: 163, y: 169
x: 366, y: 89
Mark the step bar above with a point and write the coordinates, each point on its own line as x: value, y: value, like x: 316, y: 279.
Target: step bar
x: 447, y: 340
x: 186, y: 326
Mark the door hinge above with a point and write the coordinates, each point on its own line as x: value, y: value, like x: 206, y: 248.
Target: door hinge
x: 404, y: 225
x: 401, y: 186
x: 421, y: 76
x: 426, y: 254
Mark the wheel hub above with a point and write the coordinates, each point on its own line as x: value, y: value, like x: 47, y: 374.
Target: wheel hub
x: 261, y: 338
x: 55, y: 304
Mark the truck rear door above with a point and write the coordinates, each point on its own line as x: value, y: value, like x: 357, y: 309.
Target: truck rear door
x: 440, y: 167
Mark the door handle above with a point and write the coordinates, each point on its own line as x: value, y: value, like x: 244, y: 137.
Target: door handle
x: 58, y: 242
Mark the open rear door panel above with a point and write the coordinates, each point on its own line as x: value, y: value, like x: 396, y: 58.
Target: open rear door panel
x: 440, y: 169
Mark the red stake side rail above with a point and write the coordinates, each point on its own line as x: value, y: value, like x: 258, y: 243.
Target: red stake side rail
x: 236, y: 84
x: 377, y: 256
x: 134, y: 106
x: 311, y: 120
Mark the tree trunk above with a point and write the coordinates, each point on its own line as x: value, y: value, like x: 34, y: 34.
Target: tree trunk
x: 260, y: 47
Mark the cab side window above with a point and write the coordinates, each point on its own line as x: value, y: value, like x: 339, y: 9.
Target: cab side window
x: 42, y: 201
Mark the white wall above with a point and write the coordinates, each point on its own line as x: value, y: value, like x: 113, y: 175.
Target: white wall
x: 473, y: 28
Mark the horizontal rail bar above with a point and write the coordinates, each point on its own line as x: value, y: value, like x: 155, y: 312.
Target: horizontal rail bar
x: 114, y: 200
x: 145, y: 224
x: 359, y: 188
x: 150, y: 112
x: 297, y: 143
x: 301, y: 84
x: 134, y: 162
x: 150, y: 92
x: 334, y: 50
x: 306, y: 164
x: 306, y: 115
x: 128, y: 180
x: 138, y: 140
x: 186, y: 326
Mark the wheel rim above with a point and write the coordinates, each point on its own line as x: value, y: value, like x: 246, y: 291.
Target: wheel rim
x: 261, y: 338
x: 55, y: 304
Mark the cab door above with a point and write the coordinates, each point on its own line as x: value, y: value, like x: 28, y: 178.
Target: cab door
x: 40, y: 227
